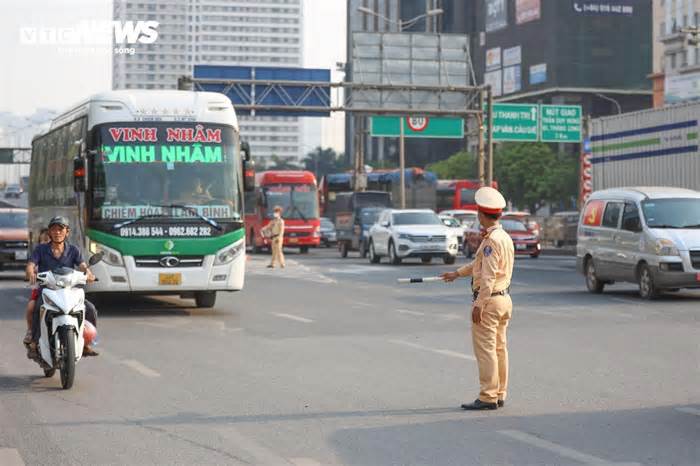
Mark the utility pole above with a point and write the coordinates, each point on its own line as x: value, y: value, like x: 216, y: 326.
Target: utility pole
x: 490, y: 134
x: 480, y: 155
x: 402, y: 163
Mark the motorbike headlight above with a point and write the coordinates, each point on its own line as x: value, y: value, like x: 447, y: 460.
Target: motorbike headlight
x: 228, y: 254
x: 111, y: 257
x: 665, y: 247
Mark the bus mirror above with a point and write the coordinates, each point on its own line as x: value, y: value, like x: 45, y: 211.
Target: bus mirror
x: 79, y: 175
x: 245, y: 148
x: 248, y: 175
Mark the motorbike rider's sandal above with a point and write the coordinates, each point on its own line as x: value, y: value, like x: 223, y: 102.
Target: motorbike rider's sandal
x: 87, y: 351
x: 27, y: 337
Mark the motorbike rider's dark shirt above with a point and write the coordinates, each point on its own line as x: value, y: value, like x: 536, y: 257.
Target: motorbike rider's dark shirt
x: 43, y: 258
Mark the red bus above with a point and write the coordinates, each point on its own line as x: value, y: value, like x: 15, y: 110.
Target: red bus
x: 296, y: 193
x: 458, y: 194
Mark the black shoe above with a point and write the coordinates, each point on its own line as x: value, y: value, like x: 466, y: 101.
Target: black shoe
x: 479, y: 405
x: 501, y: 403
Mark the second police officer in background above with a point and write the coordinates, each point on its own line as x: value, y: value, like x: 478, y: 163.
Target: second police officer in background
x: 491, y: 273
x: 275, y: 232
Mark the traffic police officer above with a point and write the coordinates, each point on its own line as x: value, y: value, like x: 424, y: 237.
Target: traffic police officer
x: 275, y: 231
x: 491, y: 273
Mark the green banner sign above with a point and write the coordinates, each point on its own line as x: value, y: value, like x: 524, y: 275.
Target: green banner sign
x: 560, y: 123
x: 515, y: 122
x: 417, y: 127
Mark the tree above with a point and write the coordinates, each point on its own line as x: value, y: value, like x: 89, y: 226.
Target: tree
x: 531, y: 174
x: 282, y: 163
x: 459, y: 166
x: 324, y: 161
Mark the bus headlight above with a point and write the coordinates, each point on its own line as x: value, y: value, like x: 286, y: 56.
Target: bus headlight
x: 228, y: 254
x: 111, y: 257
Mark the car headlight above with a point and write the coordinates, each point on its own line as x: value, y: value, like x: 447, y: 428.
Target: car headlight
x: 665, y: 247
x: 228, y: 254
x: 404, y: 236
x: 111, y: 257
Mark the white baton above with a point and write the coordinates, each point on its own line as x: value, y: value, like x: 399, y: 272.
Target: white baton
x: 420, y: 280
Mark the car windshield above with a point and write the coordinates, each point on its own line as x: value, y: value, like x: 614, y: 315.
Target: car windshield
x: 416, y: 218
x: 143, y: 165
x: 466, y: 219
x: 513, y: 225
x: 298, y: 201
x: 369, y: 216
x: 451, y: 222
x: 13, y: 220
x: 325, y: 223
x: 672, y: 213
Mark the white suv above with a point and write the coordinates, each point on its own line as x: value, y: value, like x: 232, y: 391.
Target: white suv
x: 400, y: 234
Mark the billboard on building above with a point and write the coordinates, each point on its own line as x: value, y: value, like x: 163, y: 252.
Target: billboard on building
x: 512, y: 79
x: 682, y: 88
x: 493, y: 58
x: 538, y: 73
x: 526, y: 11
x: 495, y: 80
x: 496, y: 15
x: 512, y: 56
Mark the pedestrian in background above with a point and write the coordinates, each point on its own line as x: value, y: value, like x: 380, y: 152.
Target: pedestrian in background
x: 491, y: 272
x: 275, y: 232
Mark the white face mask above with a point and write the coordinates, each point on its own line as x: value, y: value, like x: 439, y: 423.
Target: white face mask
x: 277, y: 215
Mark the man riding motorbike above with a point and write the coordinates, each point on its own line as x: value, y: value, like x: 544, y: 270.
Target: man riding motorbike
x: 49, y: 256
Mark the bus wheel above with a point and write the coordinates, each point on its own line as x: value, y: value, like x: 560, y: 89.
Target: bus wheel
x: 304, y: 250
x: 205, y: 299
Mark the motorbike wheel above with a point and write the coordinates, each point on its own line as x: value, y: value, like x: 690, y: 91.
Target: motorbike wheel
x: 65, y: 335
x: 49, y: 372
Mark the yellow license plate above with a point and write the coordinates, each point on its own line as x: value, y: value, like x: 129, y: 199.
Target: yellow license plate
x: 293, y: 240
x: 170, y: 279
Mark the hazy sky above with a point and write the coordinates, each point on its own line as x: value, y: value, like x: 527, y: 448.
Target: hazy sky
x: 52, y: 76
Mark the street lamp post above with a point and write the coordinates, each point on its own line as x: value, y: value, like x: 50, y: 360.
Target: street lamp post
x: 610, y: 99
x: 401, y: 24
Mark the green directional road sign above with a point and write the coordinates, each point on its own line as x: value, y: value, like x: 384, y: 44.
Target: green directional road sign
x: 560, y: 123
x: 417, y: 127
x: 515, y: 122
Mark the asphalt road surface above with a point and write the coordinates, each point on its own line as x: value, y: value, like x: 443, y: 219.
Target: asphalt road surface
x: 331, y: 362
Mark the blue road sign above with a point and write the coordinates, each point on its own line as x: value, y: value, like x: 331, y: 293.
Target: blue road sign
x: 260, y: 94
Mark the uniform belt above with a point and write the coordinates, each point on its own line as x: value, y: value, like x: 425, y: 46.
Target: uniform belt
x: 496, y: 293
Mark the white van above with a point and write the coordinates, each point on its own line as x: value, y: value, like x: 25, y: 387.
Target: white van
x: 649, y: 236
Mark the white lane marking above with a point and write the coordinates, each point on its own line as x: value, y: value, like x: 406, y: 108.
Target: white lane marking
x: 292, y: 317
x: 560, y: 450
x: 360, y: 303
x: 140, y: 368
x: 688, y: 410
x: 304, y: 462
x: 410, y: 313
x: 10, y: 457
x: 538, y: 310
x: 444, y: 352
x: 450, y: 317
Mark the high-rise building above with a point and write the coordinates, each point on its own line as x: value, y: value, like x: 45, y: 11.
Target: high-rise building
x: 676, y: 53
x: 597, y: 54
x: 218, y: 32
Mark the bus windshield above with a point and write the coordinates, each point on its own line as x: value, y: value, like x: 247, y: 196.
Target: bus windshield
x: 143, y: 165
x: 298, y: 201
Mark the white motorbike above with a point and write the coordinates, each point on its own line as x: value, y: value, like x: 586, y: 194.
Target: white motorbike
x: 62, y: 319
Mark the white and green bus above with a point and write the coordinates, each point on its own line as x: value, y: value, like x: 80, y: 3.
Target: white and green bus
x: 155, y: 179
